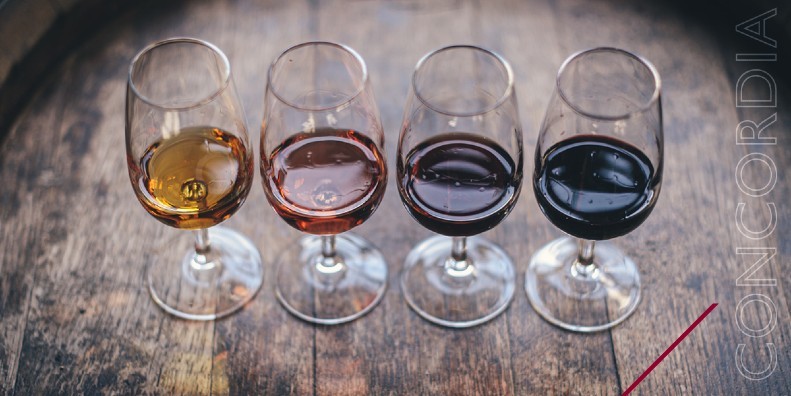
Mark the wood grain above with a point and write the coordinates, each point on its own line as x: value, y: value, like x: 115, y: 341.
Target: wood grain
x: 262, y: 350
x: 688, y: 245
x: 75, y: 316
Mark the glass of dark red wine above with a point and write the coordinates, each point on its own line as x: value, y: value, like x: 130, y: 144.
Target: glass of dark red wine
x: 597, y: 176
x: 324, y: 173
x: 459, y: 174
x: 191, y: 166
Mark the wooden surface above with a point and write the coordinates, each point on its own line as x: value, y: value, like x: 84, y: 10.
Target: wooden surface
x: 75, y: 317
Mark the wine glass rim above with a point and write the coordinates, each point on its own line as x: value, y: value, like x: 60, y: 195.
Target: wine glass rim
x: 507, y: 92
x: 645, y: 62
x: 343, y: 47
x: 193, y: 104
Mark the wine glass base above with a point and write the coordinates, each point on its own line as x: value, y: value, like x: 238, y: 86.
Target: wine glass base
x: 592, y: 302
x: 462, y: 299
x: 208, y: 291
x: 326, y: 297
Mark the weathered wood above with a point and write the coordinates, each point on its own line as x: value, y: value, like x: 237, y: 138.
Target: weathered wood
x: 75, y: 316
x: 686, y: 250
x: 91, y: 325
x: 262, y: 350
x: 539, y: 352
x: 36, y: 36
x: 412, y: 355
x: 27, y: 226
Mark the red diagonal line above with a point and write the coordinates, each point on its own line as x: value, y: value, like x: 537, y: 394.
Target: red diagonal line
x: 669, y: 349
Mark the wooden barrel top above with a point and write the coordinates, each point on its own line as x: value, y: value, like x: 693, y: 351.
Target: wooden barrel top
x: 75, y: 316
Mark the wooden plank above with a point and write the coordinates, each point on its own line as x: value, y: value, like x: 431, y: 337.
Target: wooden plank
x: 19, y: 34
x: 263, y: 349
x: 392, y: 350
x: 26, y: 224
x: 37, y: 36
x: 75, y: 316
x: 756, y: 216
x: 686, y: 249
x: 559, y: 362
x: 92, y: 326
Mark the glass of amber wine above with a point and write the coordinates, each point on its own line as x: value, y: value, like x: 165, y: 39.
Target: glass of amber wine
x: 324, y: 173
x: 191, y: 167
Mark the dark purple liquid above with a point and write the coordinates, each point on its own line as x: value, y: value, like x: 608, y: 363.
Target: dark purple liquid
x: 595, y: 187
x: 459, y: 184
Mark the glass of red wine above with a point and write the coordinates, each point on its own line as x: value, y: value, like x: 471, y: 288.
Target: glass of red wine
x: 324, y: 173
x: 459, y: 174
x: 597, y: 176
x: 191, y: 166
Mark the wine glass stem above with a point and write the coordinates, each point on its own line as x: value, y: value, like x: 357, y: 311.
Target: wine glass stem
x: 202, y: 241
x: 459, y: 249
x: 201, y: 263
x: 328, y: 246
x: 458, y: 265
x: 329, y: 263
x: 583, y: 266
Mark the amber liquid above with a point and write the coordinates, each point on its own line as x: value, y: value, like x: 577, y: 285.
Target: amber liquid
x: 325, y: 182
x: 195, y: 179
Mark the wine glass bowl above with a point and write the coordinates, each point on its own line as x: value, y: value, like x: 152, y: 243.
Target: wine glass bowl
x: 459, y: 170
x: 191, y: 167
x: 324, y: 171
x: 598, y: 173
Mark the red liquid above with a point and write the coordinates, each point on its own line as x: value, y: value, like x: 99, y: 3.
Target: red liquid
x: 459, y: 184
x: 595, y: 187
x: 325, y: 182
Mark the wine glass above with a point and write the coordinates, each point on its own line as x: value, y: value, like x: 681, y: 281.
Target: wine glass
x: 324, y: 173
x: 597, y: 176
x: 191, y: 167
x: 460, y: 173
